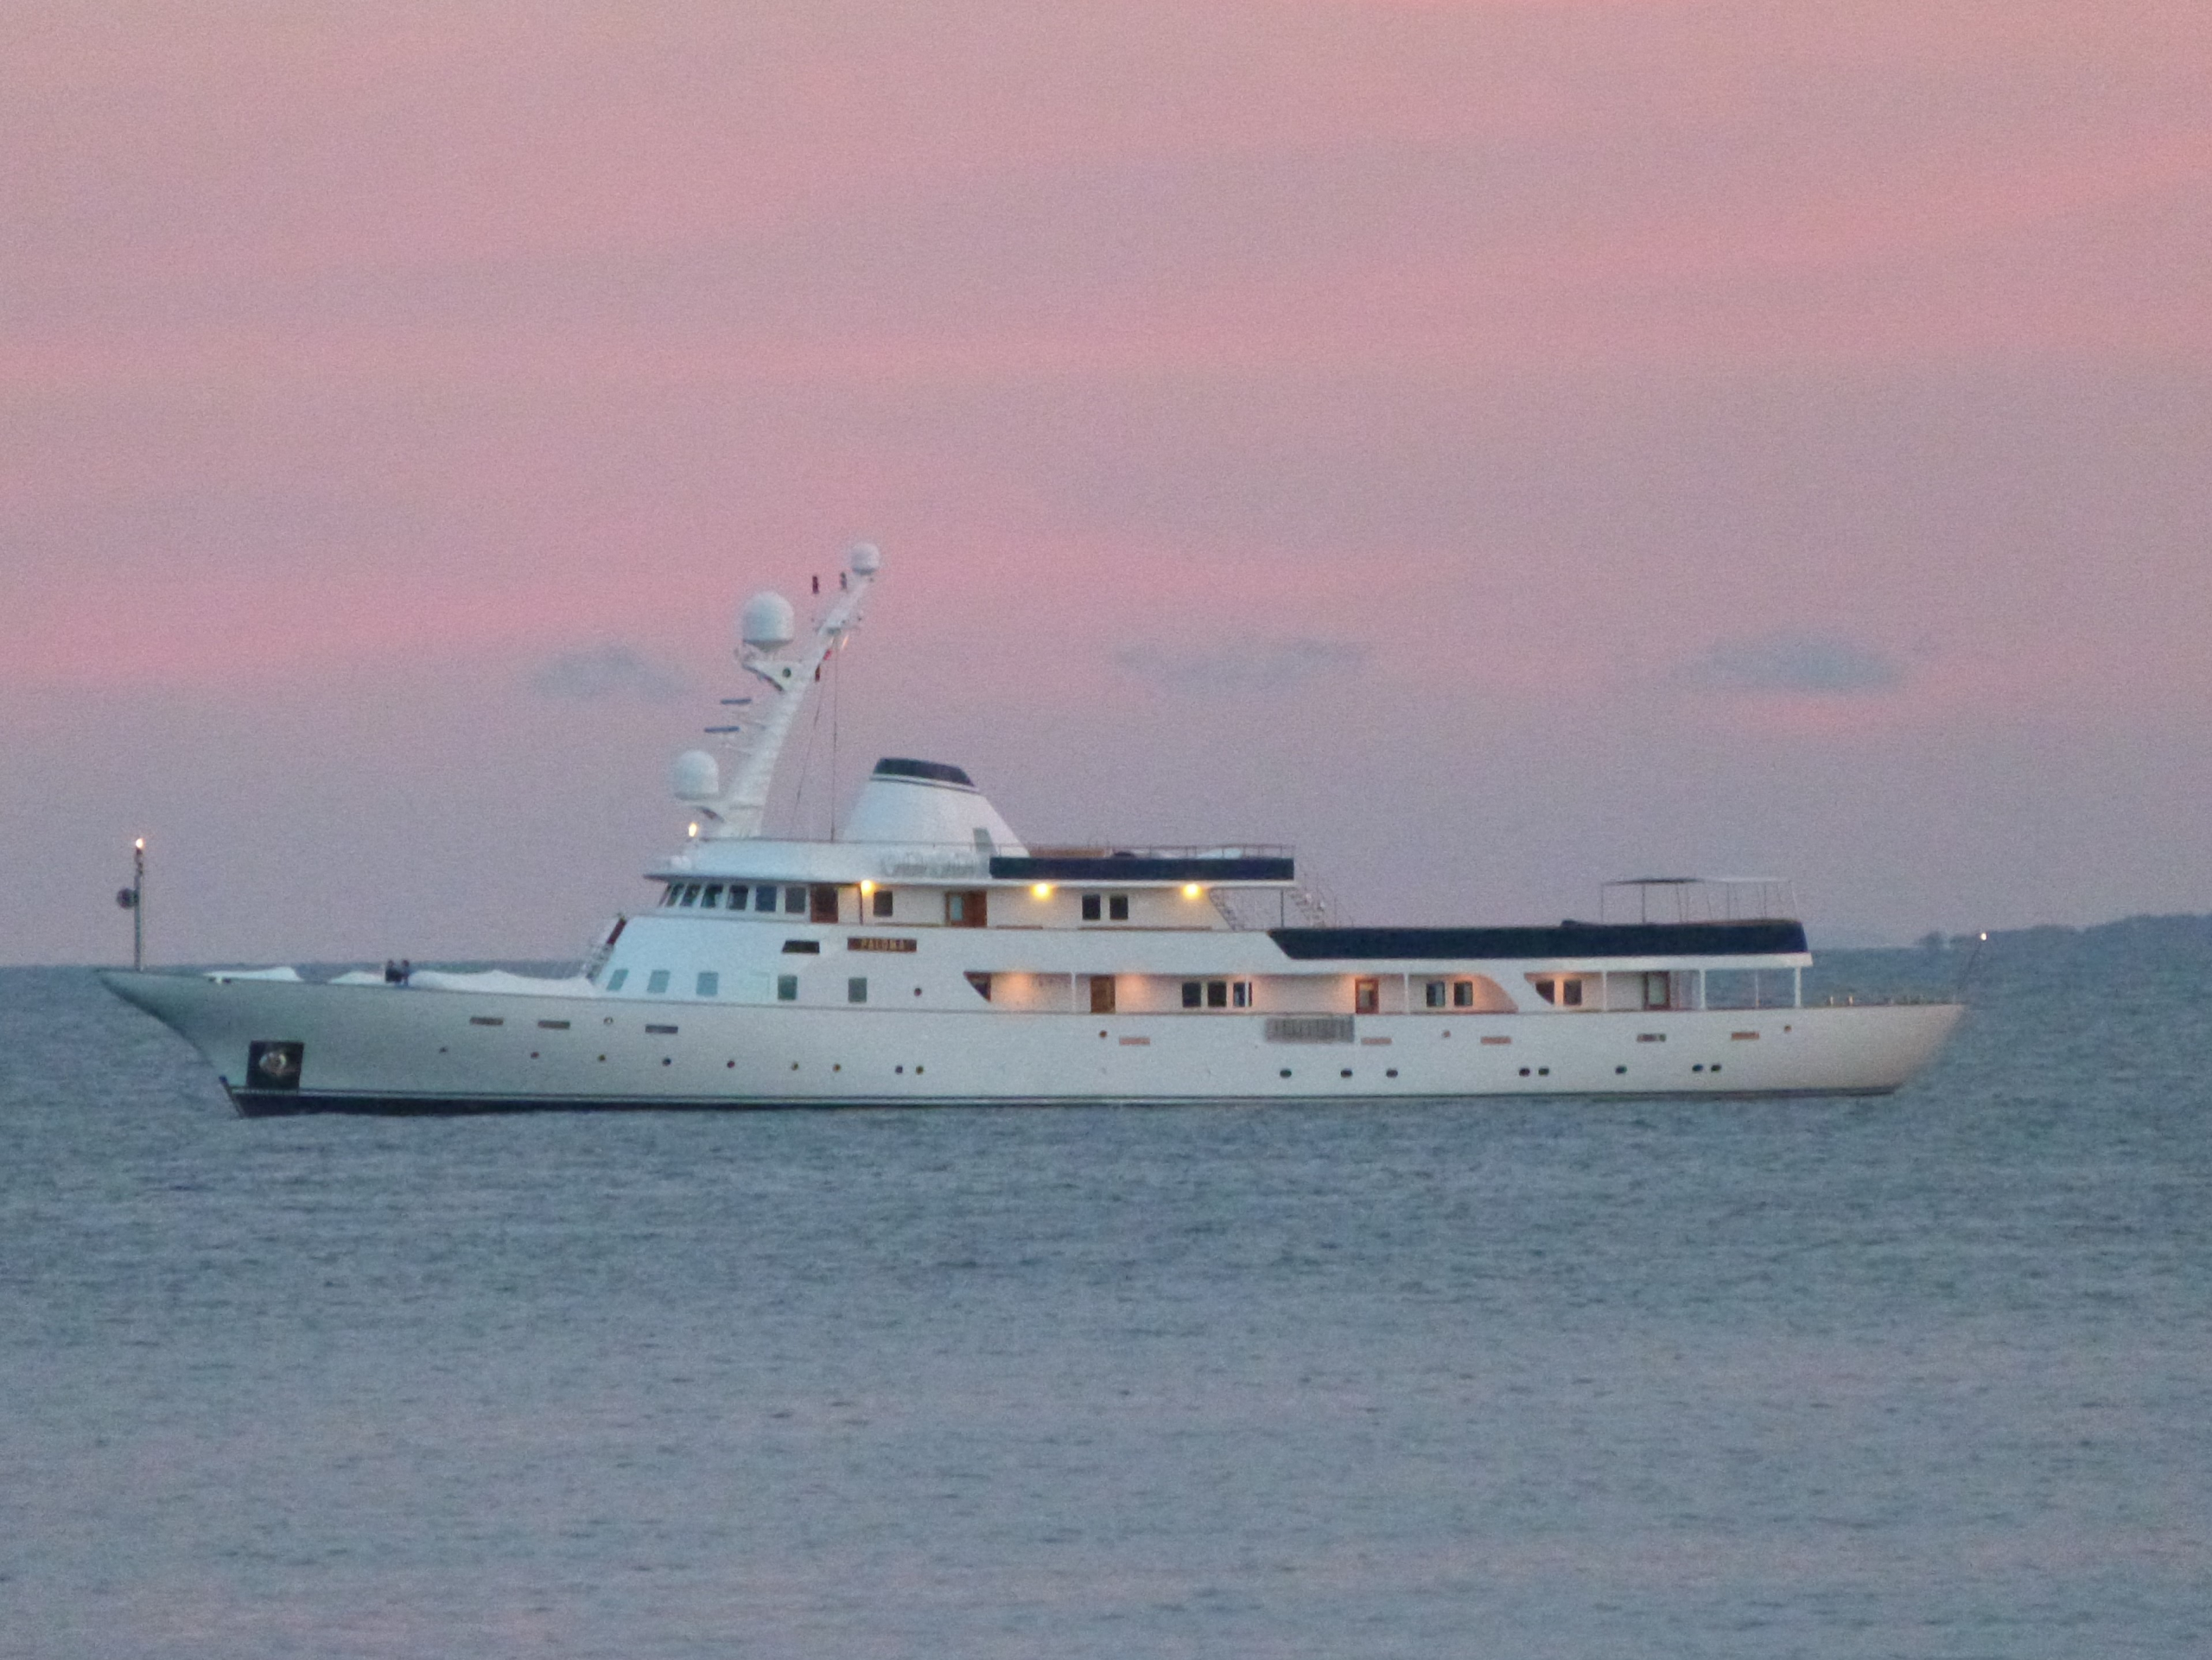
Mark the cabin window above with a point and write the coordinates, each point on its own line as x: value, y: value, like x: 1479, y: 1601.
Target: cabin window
x: 1117, y: 908
x: 880, y: 902
x: 1570, y: 993
x: 1546, y: 987
x: 1655, y: 990
x: 657, y: 982
x: 794, y: 902
x: 1463, y: 993
x: 738, y: 895
x: 764, y: 898
x: 710, y: 984
x: 690, y: 895
x: 1366, y: 996
x: 966, y: 908
x: 1194, y: 994
x: 1090, y: 908
x: 614, y: 980
x: 1433, y: 994
x: 787, y: 987
x: 1241, y: 993
x: 712, y: 898
x: 821, y: 905
x: 982, y: 984
x: 1102, y: 994
x: 856, y: 989
x: 1216, y: 993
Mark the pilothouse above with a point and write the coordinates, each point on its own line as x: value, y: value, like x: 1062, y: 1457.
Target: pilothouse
x: 927, y: 954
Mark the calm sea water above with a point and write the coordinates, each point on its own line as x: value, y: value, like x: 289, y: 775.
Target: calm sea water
x: 1930, y: 1374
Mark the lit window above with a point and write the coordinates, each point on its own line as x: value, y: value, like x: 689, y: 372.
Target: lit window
x: 1117, y: 908
x: 657, y: 982
x: 710, y: 984
x: 881, y: 901
x: 787, y: 987
x: 856, y: 989
x: 614, y: 980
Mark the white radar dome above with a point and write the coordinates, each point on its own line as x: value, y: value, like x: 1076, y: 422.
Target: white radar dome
x: 695, y: 776
x: 867, y: 558
x: 768, y: 620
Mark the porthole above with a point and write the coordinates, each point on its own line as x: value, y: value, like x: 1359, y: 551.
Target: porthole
x: 1620, y: 1069
x: 1346, y: 1073
x: 1543, y: 1072
x: 1524, y: 1071
x: 1393, y: 1072
x: 1286, y: 1071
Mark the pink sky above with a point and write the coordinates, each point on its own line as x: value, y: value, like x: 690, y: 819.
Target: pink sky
x: 1497, y: 447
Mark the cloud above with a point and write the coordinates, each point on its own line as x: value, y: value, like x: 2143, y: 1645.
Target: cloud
x: 1816, y: 665
x: 1259, y: 665
x: 589, y: 673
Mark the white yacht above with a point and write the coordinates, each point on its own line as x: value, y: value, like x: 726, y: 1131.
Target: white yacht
x: 926, y: 955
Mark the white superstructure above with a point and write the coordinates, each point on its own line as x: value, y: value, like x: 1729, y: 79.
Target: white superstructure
x: 927, y: 955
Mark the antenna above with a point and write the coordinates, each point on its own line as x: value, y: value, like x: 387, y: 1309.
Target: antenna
x: 1960, y: 990
x: 133, y: 900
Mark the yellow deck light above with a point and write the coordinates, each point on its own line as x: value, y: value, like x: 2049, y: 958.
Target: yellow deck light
x: 1042, y: 890
x: 1191, y: 890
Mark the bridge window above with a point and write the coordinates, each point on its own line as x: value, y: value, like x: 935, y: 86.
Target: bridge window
x: 710, y: 984
x: 690, y: 895
x: 738, y: 895
x: 657, y: 982
x: 712, y: 898
x: 670, y: 894
x: 614, y: 980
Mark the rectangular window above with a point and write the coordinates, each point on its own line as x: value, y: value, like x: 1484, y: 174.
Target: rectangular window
x: 670, y: 894
x: 1102, y: 994
x: 1655, y: 990
x: 710, y: 984
x: 764, y: 898
x: 712, y: 898
x: 1546, y: 987
x: 690, y: 895
x: 787, y: 987
x: 1463, y: 993
x: 856, y: 989
x: 982, y: 982
x: 657, y: 982
x: 1570, y: 993
x: 1241, y: 992
x: 1090, y: 908
x: 614, y: 980
x: 1216, y: 993
x: 1366, y: 996
x: 821, y: 905
x: 794, y: 902
x: 880, y: 902
x: 1117, y: 908
x: 1194, y: 994
x: 738, y: 895
x: 1433, y: 994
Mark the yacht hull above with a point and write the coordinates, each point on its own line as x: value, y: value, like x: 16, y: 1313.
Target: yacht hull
x: 287, y: 1048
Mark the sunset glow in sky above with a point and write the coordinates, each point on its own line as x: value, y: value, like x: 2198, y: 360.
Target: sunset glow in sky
x: 1497, y: 445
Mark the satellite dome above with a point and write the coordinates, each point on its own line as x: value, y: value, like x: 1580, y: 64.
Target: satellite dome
x: 768, y: 620
x: 865, y: 557
x: 695, y: 776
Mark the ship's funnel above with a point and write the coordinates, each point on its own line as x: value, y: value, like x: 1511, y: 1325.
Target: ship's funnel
x: 928, y: 802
